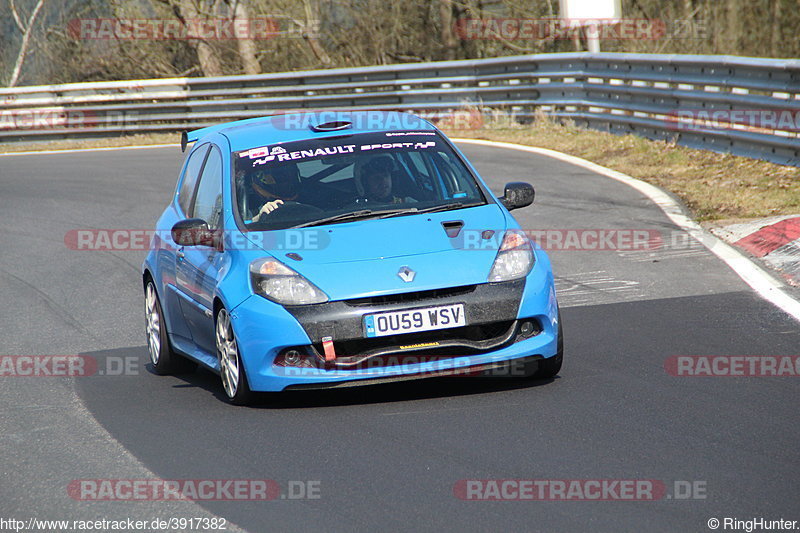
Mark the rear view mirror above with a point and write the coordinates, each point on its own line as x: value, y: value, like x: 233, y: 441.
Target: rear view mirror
x: 517, y: 194
x: 193, y: 232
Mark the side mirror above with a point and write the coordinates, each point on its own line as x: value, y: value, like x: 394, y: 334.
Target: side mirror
x: 517, y: 194
x: 193, y: 232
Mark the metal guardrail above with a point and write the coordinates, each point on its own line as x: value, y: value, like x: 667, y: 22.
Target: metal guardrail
x: 745, y: 106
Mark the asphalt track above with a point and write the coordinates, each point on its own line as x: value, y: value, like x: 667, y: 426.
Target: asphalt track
x: 389, y: 457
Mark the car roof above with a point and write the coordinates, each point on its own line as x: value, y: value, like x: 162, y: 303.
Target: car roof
x: 297, y: 126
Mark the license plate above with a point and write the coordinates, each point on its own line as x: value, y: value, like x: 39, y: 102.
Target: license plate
x: 415, y: 320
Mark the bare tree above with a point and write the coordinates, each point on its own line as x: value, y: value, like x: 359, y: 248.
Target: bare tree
x: 776, y: 27
x: 248, y: 51
x: 734, y: 30
x: 448, y: 36
x: 188, y: 13
x: 311, y: 9
x: 26, y: 30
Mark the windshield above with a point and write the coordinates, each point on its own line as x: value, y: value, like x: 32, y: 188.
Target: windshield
x: 339, y: 179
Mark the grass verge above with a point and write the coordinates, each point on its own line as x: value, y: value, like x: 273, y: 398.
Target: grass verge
x: 77, y: 144
x: 713, y: 186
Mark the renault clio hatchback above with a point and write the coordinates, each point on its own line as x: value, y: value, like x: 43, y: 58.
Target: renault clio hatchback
x: 321, y: 250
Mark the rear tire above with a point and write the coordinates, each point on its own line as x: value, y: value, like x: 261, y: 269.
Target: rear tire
x: 550, y: 367
x: 164, y: 360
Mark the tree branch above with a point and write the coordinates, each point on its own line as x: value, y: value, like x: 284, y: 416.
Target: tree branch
x: 23, y: 49
x: 16, y: 16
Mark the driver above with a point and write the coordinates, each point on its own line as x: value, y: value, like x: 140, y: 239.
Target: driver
x: 273, y: 187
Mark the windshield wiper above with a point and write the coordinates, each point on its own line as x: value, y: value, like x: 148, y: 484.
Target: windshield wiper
x: 382, y: 213
x: 399, y: 212
x: 435, y: 208
x: 353, y: 215
x: 448, y: 207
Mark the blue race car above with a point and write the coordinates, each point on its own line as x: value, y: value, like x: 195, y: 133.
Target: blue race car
x: 322, y: 250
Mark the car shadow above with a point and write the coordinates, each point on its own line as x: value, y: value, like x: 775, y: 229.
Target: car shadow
x: 419, y: 389
x: 118, y: 367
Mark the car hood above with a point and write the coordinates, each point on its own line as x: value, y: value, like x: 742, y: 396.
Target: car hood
x: 363, y: 258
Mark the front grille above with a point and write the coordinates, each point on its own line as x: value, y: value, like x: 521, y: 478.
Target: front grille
x: 409, y: 297
x: 482, y: 332
x: 421, y: 347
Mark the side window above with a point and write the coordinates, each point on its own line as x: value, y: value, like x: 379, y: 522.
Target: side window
x: 190, y: 176
x: 208, y: 202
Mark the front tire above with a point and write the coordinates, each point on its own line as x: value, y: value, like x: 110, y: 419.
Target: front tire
x: 164, y: 360
x: 550, y: 367
x: 231, y: 369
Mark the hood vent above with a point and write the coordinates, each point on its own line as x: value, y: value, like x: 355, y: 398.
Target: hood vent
x: 453, y: 227
x: 335, y: 125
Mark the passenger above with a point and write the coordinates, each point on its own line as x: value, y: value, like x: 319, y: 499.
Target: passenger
x: 378, y: 183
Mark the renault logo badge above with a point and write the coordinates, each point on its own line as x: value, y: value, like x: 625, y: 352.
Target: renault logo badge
x: 406, y: 274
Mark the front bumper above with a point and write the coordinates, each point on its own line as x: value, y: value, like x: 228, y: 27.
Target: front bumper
x: 492, y: 337
x: 522, y: 367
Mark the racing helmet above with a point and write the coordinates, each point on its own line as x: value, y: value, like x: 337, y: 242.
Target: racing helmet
x: 280, y: 181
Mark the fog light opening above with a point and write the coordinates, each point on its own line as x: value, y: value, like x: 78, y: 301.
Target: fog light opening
x: 525, y: 329
x: 292, y: 357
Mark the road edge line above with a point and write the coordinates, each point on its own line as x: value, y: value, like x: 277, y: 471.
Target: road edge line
x: 98, y: 149
x: 751, y: 273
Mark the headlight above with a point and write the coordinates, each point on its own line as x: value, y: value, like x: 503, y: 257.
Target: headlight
x: 514, y: 260
x: 274, y: 280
